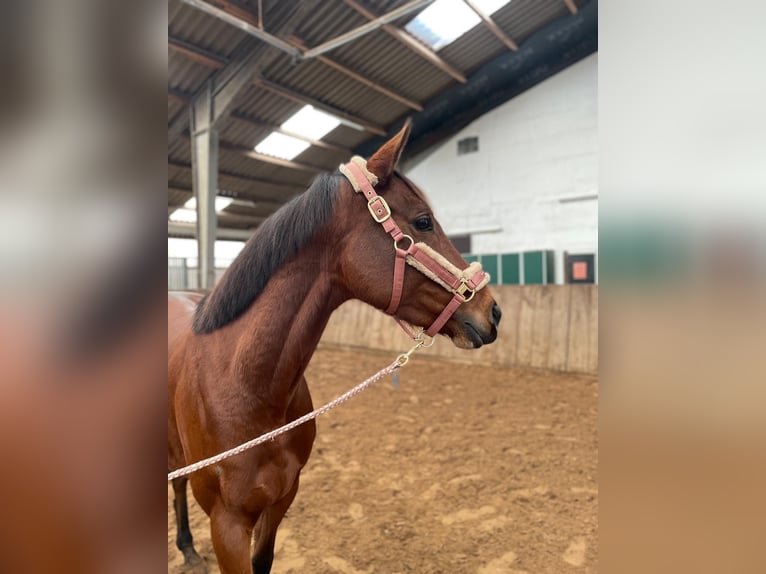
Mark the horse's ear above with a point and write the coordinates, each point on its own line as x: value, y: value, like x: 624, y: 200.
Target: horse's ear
x: 383, y: 162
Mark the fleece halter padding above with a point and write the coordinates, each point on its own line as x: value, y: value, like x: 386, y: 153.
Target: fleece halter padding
x: 362, y: 165
x: 464, y: 274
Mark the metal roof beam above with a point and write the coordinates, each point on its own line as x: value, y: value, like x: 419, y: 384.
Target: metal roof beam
x: 190, y: 230
x: 174, y: 186
x: 228, y: 81
x: 180, y: 96
x: 238, y: 22
x: 227, y: 217
x: 571, y: 5
x: 251, y: 201
x: 361, y: 79
x: 181, y: 121
x: 252, y: 154
x: 287, y: 189
x: 276, y: 128
x: 240, y: 12
x: 197, y: 54
x: 410, y: 43
x: 245, y: 21
x: 365, y: 29
x: 345, y: 117
x: 491, y: 26
x: 222, y: 87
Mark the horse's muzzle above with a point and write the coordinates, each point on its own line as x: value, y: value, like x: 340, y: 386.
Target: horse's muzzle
x: 482, y: 332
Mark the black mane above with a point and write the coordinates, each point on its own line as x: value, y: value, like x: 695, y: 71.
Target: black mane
x: 274, y: 242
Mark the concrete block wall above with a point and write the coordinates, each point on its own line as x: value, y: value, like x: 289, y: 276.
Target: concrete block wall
x: 534, y: 150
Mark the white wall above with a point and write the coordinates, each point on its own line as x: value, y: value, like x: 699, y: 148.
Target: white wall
x: 533, y: 150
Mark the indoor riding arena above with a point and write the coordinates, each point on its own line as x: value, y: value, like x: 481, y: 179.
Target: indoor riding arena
x: 476, y: 126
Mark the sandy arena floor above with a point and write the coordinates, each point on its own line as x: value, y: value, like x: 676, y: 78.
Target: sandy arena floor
x: 442, y: 475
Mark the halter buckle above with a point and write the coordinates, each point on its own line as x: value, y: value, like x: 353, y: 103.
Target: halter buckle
x: 463, y: 288
x: 379, y: 209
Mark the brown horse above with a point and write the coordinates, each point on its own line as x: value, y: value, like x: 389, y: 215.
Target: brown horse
x: 236, y: 359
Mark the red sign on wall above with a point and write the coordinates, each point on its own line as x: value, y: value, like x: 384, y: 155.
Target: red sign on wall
x: 579, y: 270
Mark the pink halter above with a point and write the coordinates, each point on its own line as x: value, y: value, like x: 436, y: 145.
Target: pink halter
x: 463, y: 284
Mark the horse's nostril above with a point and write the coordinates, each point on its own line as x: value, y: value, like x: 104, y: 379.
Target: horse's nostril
x: 496, y: 314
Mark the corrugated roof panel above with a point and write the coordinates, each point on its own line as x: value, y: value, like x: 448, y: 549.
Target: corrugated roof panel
x: 186, y: 74
x: 248, y: 135
x: 179, y: 175
x: 334, y: 19
x: 174, y: 107
x: 473, y: 48
x: 321, y: 82
x: 176, y: 197
x: 180, y: 147
x: 386, y: 61
x: 522, y: 17
x: 325, y: 158
x: 241, y: 133
x: 346, y: 136
x: 202, y: 30
x: 265, y: 105
x: 230, y: 161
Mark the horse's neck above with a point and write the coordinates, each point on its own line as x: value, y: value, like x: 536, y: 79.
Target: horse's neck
x: 281, y: 330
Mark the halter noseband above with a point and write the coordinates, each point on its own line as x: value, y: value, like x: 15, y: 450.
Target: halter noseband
x: 463, y: 284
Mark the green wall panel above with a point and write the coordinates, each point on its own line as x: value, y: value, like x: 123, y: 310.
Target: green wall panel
x: 489, y: 264
x: 510, y: 265
x: 533, y: 268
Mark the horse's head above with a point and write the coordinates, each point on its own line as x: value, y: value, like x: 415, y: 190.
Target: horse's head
x: 434, y: 278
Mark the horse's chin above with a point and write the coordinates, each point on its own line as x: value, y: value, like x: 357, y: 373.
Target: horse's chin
x: 463, y: 342
x: 466, y: 339
x: 469, y: 336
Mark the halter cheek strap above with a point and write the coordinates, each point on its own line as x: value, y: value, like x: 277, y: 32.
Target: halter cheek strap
x: 463, y: 284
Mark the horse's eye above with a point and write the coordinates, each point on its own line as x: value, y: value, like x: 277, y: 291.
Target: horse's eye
x: 424, y: 223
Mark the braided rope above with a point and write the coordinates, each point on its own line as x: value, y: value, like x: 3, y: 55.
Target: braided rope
x: 289, y: 426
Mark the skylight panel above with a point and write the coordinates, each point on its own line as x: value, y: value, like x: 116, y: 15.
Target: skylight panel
x: 445, y: 21
x: 311, y: 123
x: 282, y: 146
x: 188, y: 213
x: 183, y: 215
x: 221, y: 203
x: 490, y: 6
x: 307, y: 122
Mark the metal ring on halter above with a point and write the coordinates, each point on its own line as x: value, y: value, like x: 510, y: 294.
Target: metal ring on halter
x: 404, y: 236
x: 420, y: 337
x: 463, y: 289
